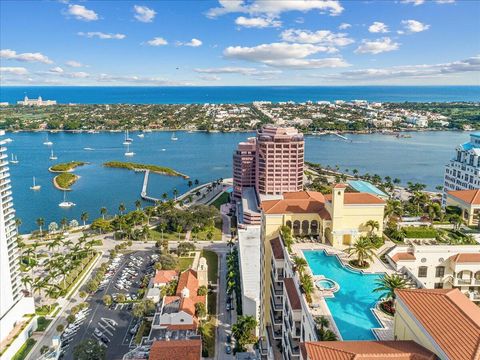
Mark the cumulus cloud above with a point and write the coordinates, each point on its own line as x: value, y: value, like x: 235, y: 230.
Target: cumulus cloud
x: 210, y: 77
x: 378, y: 27
x: 80, y: 12
x: 56, y: 69
x: 101, y: 35
x: 257, y: 22
x: 28, y: 57
x: 144, y: 14
x: 192, y: 43
x: 13, y: 70
x: 321, y: 37
x: 468, y: 65
x: 344, y: 26
x: 377, y: 46
x: 414, y: 26
x: 73, y: 63
x: 157, y: 41
x: 300, y: 64
x: 274, y: 8
x: 248, y: 71
x: 77, y: 75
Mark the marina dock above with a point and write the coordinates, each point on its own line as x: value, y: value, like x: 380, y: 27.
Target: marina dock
x: 143, y: 193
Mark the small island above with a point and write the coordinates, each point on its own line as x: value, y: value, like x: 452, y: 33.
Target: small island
x: 64, y: 180
x: 66, y: 167
x: 142, y: 167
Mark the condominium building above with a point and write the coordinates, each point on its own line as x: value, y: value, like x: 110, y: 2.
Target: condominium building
x: 36, y: 102
x: 463, y: 170
x: 244, y: 166
x: 279, y: 160
x: 13, y: 305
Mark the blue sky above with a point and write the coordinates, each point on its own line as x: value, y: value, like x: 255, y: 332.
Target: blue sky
x: 235, y: 42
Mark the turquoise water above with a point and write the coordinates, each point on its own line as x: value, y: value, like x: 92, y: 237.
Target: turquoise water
x: 351, y: 305
x: 202, y: 156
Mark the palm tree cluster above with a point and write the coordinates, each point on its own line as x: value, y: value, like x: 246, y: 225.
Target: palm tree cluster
x: 387, y: 285
x: 322, y: 330
x: 306, y: 280
x: 363, y: 250
x: 244, y: 332
x: 233, y: 276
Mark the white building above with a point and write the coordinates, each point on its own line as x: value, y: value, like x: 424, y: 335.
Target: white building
x: 463, y: 170
x: 13, y: 305
x: 249, y: 263
x: 36, y: 102
x: 418, y: 121
x: 440, y: 266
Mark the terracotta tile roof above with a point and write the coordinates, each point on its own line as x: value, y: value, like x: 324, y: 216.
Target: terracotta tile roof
x: 292, y: 293
x: 351, y: 198
x: 164, y: 276
x: 466, y: 258
x: 340, y: 186
x: 471, y: 197
x: 366, y: 350
x: 307, y: 202
x: 277, y: 249
x: 455, y: 329
x: 182, y: 327
x: 176, y: 350
x: 403, y: 256
x: 187, y: 279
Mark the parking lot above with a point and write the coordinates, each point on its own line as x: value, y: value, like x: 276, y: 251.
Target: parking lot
x: 114, y: 326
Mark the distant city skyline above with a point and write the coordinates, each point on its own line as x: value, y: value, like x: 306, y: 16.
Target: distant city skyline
x: 240, y: 42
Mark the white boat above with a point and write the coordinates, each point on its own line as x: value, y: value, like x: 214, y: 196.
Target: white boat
x: 164, y: 149
x: 88, y: 149
x: 8, y: 140
x: 52, y: 156
x: 141, y: 135
x: 65, y: 203
x: 14, y: 159
x: 128, y: 139
x: 147, y: 130
x: 174, y: 138
x: 128, y: 152
x: 35, y: 186
x: 47, y: 142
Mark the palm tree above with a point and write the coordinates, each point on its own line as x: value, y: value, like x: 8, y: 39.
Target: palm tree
x: 18, y: 223
x: 307, y: 286
x: 389, y: 283
x: 64, y: 222
x: 175, y: 193
x: 300, y: 264
x: 164, y: 196
x: 103, y: 212
x: 40, y: 222
x: 196, y: 182
x: 190, y: 183
x: 372, y: 224
x: 138, y: 204
x: 84, y: 217
x: 162, y: 227
x: 393, y: 208
x: 121, y: 208
x: 145, y: 231
x: 363, y: 249
x: 179, y: 231
x: 26, y: 280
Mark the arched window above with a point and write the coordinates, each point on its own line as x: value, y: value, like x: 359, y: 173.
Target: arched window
x: 305, y: 227
x: 296, y: 227
x: 477, y: 275
x: 314, y: 227
x: 289, y: 224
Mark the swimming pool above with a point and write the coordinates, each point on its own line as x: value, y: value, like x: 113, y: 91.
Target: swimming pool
x: 351, y: 305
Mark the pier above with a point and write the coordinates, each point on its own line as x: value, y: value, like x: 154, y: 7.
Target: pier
x: 143, y: 194
x: 342, y: 137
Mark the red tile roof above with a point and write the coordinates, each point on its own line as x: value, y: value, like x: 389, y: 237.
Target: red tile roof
x: 340, y: 186
x: 277, y: 249
x: 306, y: 202
x: 176, y: 350
x: 471, y: 197
x: 293, y: 294
x: 351, y: 198
x: 449, y: 317
x: 403, y: 256
x: 164, y: 276
x: 466, y: 258
x: 365, y: 350
x: 187, y: 279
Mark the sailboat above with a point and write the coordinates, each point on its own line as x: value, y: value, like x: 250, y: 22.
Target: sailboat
x: 128, y: 152
x: 128, y: 139
x: 65, y: 203
x: 174, y: 138
x: 52, y: 155
x: 35, y: 186
x: 14, y: 159
x: 47, y: 142
x: 141, y: 135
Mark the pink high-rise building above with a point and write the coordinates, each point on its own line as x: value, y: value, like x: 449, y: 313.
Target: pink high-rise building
x: 244, y: 167
x: 279, y: 160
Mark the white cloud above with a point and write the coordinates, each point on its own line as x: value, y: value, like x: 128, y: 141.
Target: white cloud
x: 378, y: 27
x: 157, y: 41
x: 445, y: 1
x: 78, y: 75
x: 192, y: 43
x: 414, y: 2
x: 139, y: 80
x: 257, y: 22
x: 73, y: 63
x: 248, y: 71
x: 144, y: 14
x: 101, y: 35
x: 335, y: 62
x: 433, y: 71
x: 414, y: 26
x: 210, y: 77
x: 274, y: 8
x: 29, y: 57
x: 13, y: 70
x: 322, y: 37
x: 344, y: 26
x: 80, y: 12
x: 378, y: 46
x: 56, y: 69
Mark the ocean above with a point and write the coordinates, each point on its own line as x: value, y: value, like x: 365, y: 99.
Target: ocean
x: 237, y: 94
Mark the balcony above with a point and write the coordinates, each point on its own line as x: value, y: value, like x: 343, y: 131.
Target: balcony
x: 276, y: 305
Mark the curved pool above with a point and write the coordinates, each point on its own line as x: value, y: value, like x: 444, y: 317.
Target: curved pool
x: 326, y: 284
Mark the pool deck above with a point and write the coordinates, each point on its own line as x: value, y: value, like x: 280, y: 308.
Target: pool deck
x: 319, y: 306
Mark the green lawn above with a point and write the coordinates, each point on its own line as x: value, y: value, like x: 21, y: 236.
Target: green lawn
x: 202, y: 235
x: 209, y: 337
x: 157, y: 235
x: 222, y: 199
x: 212, y: 262
x: 212, y: 303
x: 25, y: 349
x: 184, y: 263
x: 43, y: 323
